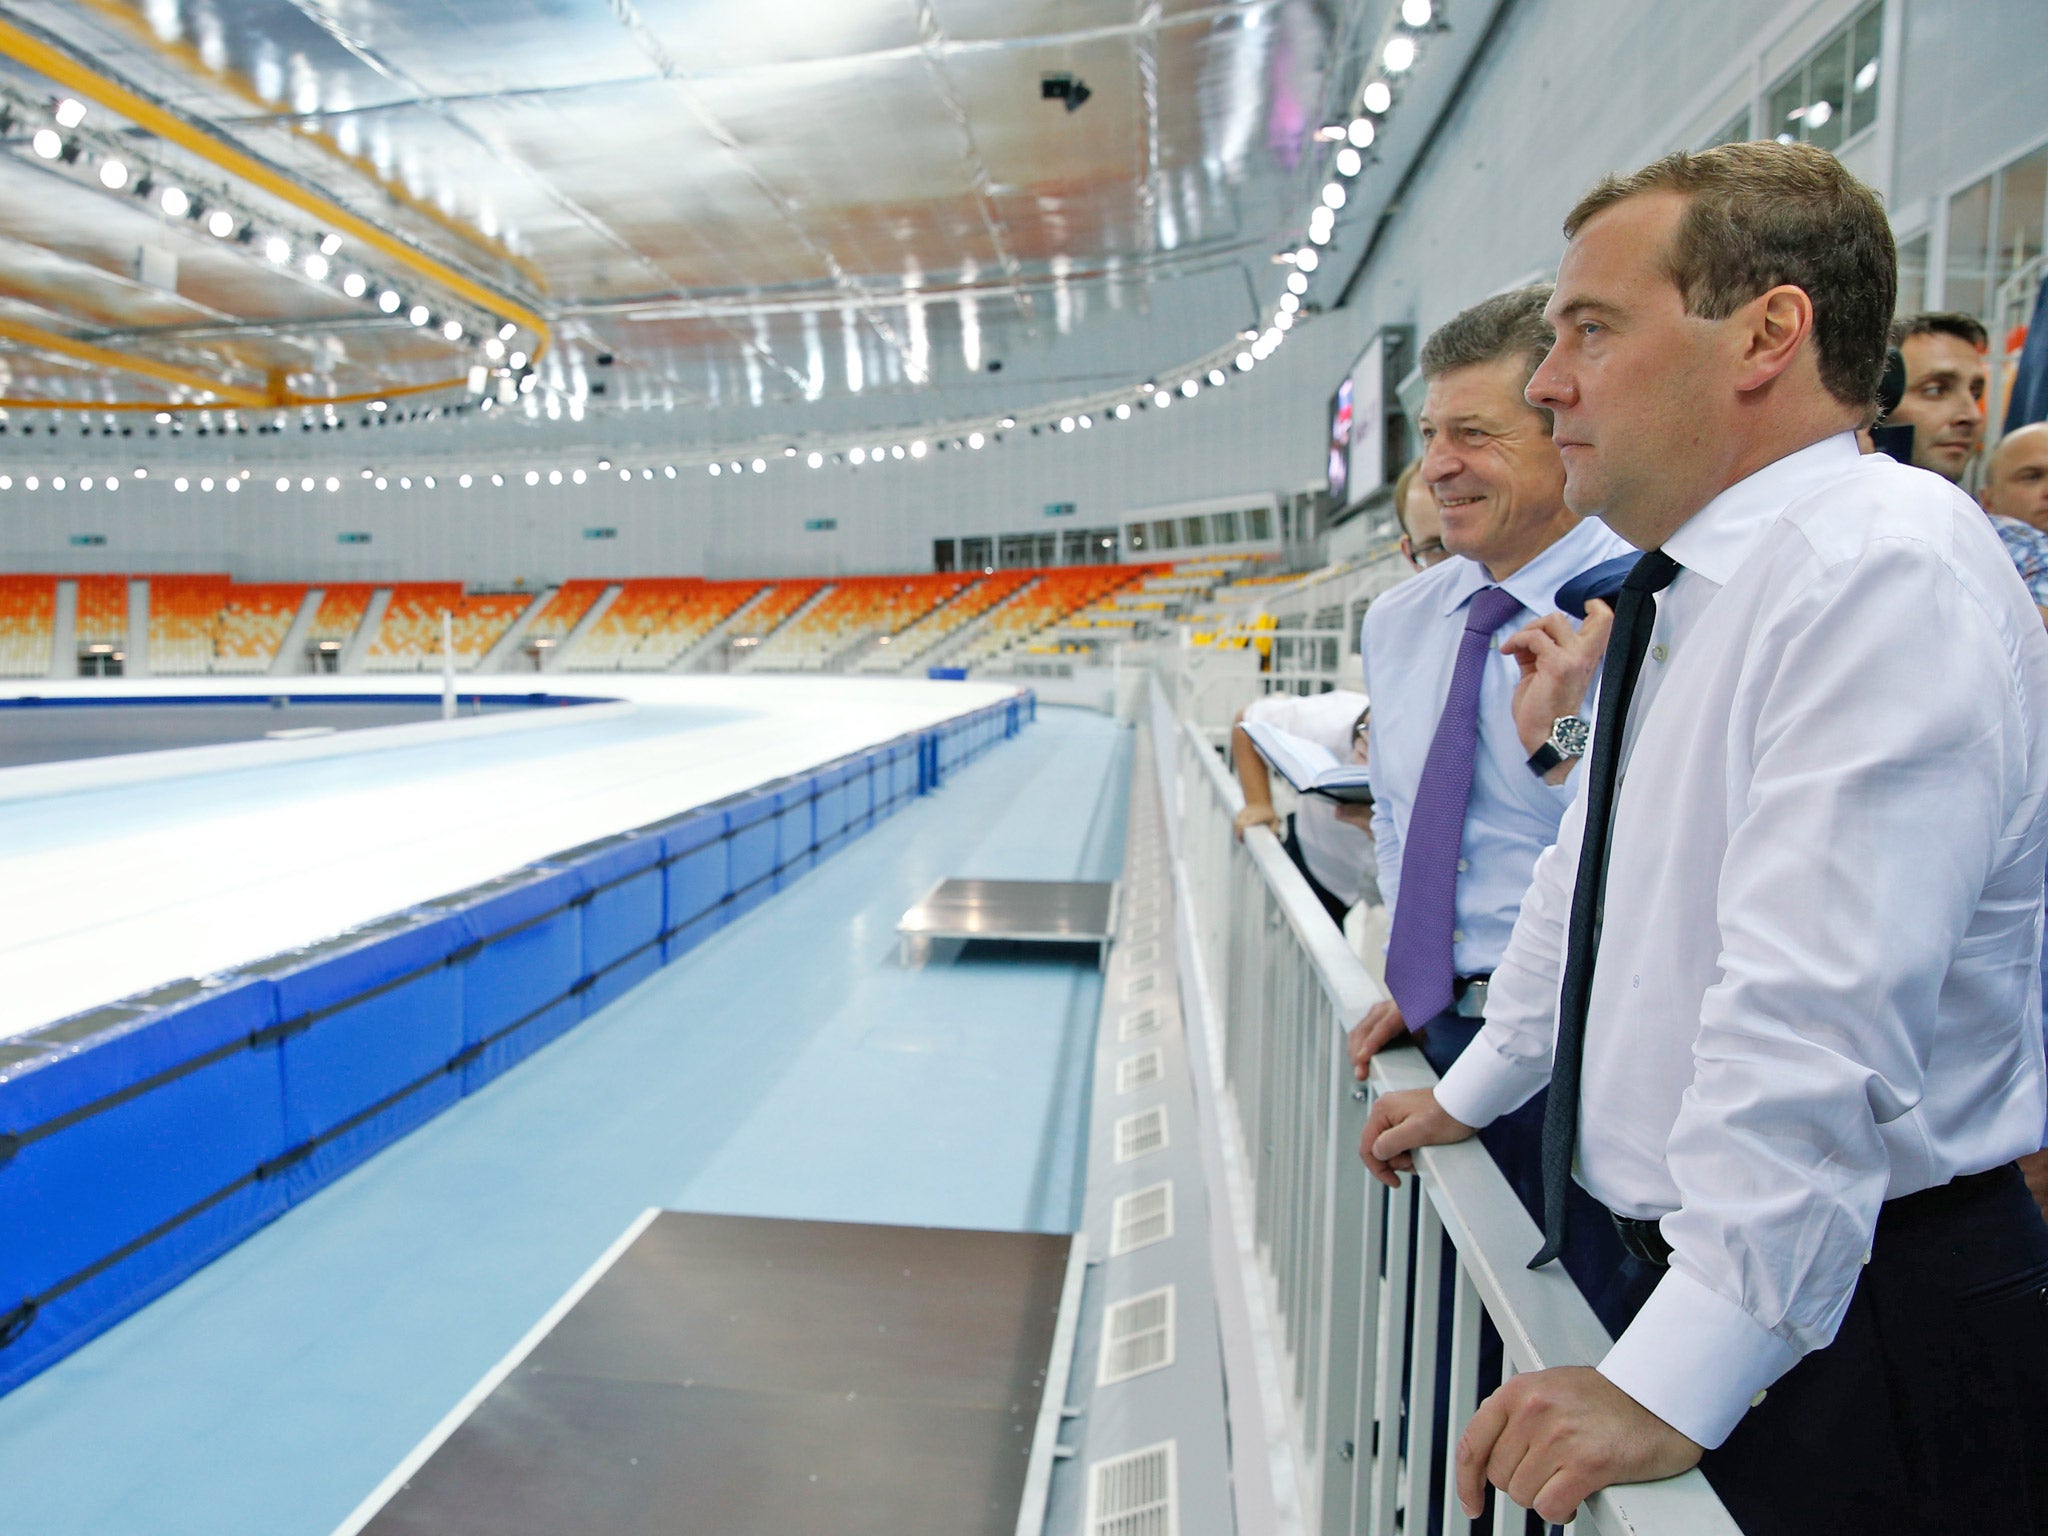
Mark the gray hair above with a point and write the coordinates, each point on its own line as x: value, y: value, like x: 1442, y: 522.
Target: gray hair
x: 1509, y: 324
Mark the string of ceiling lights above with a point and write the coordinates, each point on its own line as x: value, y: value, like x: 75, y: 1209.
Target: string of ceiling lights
x: 1348, y: 144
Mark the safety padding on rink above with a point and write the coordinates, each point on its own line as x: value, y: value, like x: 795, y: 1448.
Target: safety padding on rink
x: 141, y: 1140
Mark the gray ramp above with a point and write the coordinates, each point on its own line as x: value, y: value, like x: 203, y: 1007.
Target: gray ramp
x: 735, y: 1375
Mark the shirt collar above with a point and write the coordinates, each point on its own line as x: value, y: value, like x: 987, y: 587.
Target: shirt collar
x: 1535, y: 585
x: 1715, y: 540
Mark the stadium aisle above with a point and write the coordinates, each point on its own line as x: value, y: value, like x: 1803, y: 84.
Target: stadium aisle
x: 789, y: 1067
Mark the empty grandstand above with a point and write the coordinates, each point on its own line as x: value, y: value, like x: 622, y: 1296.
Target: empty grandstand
x: 341, y: 613
x: 654, y: 621
x: 409, y: 638
x: 943, y: 622
x: 1024, y: 619
x: 184, y: 612
x: 28, y: 617
x: 857, y: 609
x: 252, y: 625
x: 562, y: 612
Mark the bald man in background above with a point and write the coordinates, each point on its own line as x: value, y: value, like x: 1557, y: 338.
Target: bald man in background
x: 2016, y: 484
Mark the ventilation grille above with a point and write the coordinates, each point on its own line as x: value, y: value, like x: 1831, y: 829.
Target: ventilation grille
x: 1140, y: 1071
x: 1141, y: 1133
x: 1142, y: 1025
x: 1143, y: 929
x: 1137, y: 1336
x: 1139, y: 985
x: 1141, y: 1218
x: 1135, y: 1495
x: 1142, y: 954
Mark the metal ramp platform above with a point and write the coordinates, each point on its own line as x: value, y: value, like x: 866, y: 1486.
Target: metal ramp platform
x: 1016, y: 911
x: 744, y: 1376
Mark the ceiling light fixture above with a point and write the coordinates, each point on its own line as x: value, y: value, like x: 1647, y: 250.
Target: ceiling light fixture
x: 329, y: 244
x: 1297, y: 282
x: 1349, y: 161
x: 1378, y: 96
x: 1416, y: 13
x: 70, y: 112
x: 1190, y: 387
x: 419, y: 314
x: 113, y: 175
x: 452, y: 330
x: 278, y: 249
x: 355, y: 285
x: 1399, y: 53
x: 316, y: 266
x: 220, y: 224
x: 47, y: 143
x: 1362, y: 133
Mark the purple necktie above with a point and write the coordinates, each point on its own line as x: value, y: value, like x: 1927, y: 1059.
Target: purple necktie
x: 1419, y: 967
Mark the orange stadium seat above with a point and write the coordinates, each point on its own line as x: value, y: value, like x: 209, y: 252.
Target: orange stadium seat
x: 28, y: 622
x: 183, y: 614
x: 856, y: 610
x: 252, y: 625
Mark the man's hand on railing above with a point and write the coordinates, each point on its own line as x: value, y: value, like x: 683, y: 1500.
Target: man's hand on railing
x: 1551, y: 1439
x: 1398, y: 1124
x: 1381, y: 1027
x: 1256, y: 816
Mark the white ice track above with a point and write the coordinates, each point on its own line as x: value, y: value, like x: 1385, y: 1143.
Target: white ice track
x: 213, y: 861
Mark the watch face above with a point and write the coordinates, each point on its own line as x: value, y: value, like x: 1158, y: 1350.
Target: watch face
x: 1569, y: 736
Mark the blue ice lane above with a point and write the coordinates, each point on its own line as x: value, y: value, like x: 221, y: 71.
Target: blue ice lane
x: 789, y: 1067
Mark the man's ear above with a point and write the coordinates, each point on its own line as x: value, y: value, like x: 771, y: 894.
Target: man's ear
x: 1774, y: 327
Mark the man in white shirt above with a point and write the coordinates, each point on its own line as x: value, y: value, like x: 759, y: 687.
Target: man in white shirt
x: 1451, y: 896
x: 1807, y: 861
x: 1335, y: 858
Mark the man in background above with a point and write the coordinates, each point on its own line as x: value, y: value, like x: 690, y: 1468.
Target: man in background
x: 1422, y: 530
x: 2016, y: 480
x: 1945, y: 381
x: 1468, y: 785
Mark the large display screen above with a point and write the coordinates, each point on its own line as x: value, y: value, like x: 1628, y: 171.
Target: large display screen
x: 1340, y: 443
x: 1358, y: 428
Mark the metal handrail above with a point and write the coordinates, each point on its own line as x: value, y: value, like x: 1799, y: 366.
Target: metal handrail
x: 1350, y: 1269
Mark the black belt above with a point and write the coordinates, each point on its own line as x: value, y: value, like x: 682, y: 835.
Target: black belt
x: 1645, y: 1239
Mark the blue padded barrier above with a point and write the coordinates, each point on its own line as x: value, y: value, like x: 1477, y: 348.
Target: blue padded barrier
x: 795, y: 842
x: 82, y: 1184
x: 623, y: 904
x: 365, y: 1015
x: 523, y: 957
x: 140, y: 1140
x: 698, y: 886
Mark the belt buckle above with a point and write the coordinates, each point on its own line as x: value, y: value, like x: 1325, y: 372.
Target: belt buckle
x: 1471, y: 1003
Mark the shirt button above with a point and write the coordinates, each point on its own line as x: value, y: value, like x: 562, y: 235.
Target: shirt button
x: 1457, y: 935
x: 1659, y: 652
x: 1758, y: 1400
x: 1464, y: 865
x: 1866, y: 1255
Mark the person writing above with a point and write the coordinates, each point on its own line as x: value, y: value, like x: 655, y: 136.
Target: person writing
x: 1778, y: 973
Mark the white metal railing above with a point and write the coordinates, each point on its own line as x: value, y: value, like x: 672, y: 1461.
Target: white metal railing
x: 1340, y: 1255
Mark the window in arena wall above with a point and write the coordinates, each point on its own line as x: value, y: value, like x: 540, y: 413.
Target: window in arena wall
x: 1913, y: 274
x: 2022, y: 208
x: 977, y: 555
x: 1832, y: 95
x: 1134, y: 537
x: 1736, y: 130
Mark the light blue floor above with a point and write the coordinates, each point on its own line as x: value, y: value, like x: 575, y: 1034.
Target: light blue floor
x: 789, y: 1067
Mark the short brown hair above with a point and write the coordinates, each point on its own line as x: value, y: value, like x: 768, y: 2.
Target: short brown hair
x: 1403, y: 484
x: 1509, y: 324
x: 1761, y: 214
x: 1941, y: 322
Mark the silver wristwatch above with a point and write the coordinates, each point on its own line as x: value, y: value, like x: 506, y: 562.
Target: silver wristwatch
x: 1568, y: 737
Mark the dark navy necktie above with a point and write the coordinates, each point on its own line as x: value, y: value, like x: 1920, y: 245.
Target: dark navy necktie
x: 1635, y: 614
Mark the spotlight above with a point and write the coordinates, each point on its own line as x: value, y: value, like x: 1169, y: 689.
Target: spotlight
x: 1333, y: 194
x: 577, y: 476
x: 182, y: 484
x: 329, y: 244
x: 333, y: 483
x: 1086, y: 421
x: 668, y: 471
x: 1122, y: 411
x: 1066, y: 423
x: 533, y: 477
x: 1377, y: 96
x: 220, y: 224
x: 283, y: 484
x: 278, y: 249
x: 389, y: 302
x: 1245, y: 361
x: 1007, y: 423
x: 494, y: 349
x: 418, y: 314
x: 1217, y: 378
x: 48, y: 143
x: 1349, y: 161
x: 1162, y: 399
x: 1398, y: 54
x: 715, y: 469
x: 1297, y: 283
x: 464, y: 482
x: 554, y: 477
x: 857, y: 456
x: 507, y: 331
x: 917, y: 449
x: 816, y: 460
x: 1190, y: 388
x: 70, y: 113
x: 759, y: 466
x: 975, y: 439
x: 316, y: 266
x: 516, y: 361
x: 1416, y: 13
x: 174, y: 201
x: 1283, y: 321
x: 1361, y: 133
x: 113, y: 175
x: 382, y: 483
x: 1305, y: 260
x: 452, y: 330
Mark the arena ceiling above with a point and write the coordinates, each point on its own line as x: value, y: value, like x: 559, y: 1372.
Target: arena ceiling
x: 817, y: 205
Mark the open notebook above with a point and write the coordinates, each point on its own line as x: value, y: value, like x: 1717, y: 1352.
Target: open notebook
x: 1311, y: 767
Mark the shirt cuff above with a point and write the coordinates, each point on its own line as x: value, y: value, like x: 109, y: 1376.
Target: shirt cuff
x: 1483, y: 1085
x: 1696, y: 1360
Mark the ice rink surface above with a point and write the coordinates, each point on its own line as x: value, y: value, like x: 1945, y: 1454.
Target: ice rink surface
x: 123, y: 873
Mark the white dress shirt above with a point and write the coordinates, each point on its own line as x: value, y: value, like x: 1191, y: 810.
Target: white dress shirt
x: 1338, y: 854
x: 1409, y: 646
x: 1816, y: 985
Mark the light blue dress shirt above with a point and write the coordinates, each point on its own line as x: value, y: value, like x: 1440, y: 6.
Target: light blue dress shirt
x: 1409, y: 645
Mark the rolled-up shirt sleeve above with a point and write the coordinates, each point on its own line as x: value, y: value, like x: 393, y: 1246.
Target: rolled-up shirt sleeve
x: 1872, y: 792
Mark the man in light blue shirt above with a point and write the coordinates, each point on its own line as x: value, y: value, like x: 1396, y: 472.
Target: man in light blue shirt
x: 1463, y: 864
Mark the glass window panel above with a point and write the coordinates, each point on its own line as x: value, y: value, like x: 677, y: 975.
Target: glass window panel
x: 1260, y: 521
x: 1788, y: 108
x: 1165, y: 535
x: 1016, y: 550
x: 1827, y: 93
x: 1734, y: 131
x: 1964, y: 284
x: 942, y: 554
x: 1048, y: 548
x: 2022, y: 192
x: 1195, y: 531
x: 1864, y: 69
x: 1913, y: 275
x: 1223, y: 527
x: 1134, y: 536
x: 976, y: 554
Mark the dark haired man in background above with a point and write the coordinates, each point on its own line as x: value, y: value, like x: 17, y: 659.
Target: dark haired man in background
x: 1944, y: 399
x: 1778, y: 973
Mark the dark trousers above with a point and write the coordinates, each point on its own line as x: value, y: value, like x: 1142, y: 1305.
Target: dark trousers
x: 1331, y: 904
x: 1929, y: 1411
